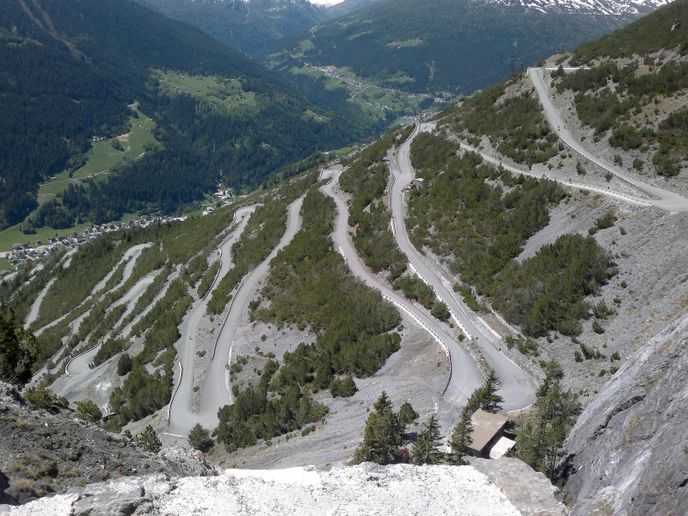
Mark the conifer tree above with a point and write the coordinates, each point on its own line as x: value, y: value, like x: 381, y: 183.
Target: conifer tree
x: 540, y: 434
x: 18, y: 349
x: 149, y: 440
x: 406, y: 414
x: 382, y: 436
x: 461, y: 437
x: 199, y: 438
x: 426, y: 449
x: 490, y: 401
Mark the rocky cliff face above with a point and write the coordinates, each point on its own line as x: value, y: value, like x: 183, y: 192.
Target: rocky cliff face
x: 362, y: 489
x: 43, y: 453
x: 628, y: 453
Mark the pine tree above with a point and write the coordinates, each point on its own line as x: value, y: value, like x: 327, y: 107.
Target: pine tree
x: 485, y: 397
x: 382, y: 436
x: 89, y: 411
x: 406, y: 414
x: 18, y: 349
x: 540, y: 435
x: 149, y: 440
x: 199, y: 438
x: 461, y: 437
x: 426, y: 449
x: 490, y: 401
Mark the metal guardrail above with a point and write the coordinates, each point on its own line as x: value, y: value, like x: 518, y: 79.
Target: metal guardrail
x: 174, y: 392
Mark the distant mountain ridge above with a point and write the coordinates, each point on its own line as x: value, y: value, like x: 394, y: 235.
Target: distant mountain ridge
x: 604, y: 7
x: 247, y: 25
x: 441, y: 45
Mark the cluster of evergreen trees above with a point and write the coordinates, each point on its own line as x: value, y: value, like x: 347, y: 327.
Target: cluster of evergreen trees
x: 385, y: 434
x: 600, y: 107
x: 515, y: 125
x: 540, y: 432
x: 309, y: 285
x: 463, y: 214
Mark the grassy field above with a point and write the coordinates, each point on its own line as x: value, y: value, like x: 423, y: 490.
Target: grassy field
x: 374, y: 100
x: 105, y: 155
x: 222, y: 94
x: 5, y: 264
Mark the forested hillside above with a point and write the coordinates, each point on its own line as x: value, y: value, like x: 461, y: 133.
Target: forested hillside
x: 246, y: 26
x: 76, y: 72
x: 440, y: 45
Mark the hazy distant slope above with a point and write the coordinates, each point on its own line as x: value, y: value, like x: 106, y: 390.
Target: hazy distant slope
x: 245, y: 25
x: 457, y: 45
x: 71, y: 68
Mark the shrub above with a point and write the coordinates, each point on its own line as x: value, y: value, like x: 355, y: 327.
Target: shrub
x: 199, y: 438
x: 344, y: 388
x: 89, y: 411
x: 45, y: 399
x: 124, y: 364
x: 606, y: 221
x: 440, y: 311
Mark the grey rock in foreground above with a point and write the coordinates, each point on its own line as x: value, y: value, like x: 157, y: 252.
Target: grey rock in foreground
x: 364, y: 489
x: 42, y: 453
x: 529, y: 491
x: 628, y: 452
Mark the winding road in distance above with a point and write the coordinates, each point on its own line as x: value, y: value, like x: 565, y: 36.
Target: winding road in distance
x: 465, y: 375
x: 215, y: 390
x: 518, y: 388
x: 661, y: 198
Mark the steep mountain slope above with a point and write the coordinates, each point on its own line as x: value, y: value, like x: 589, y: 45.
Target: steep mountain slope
x: 78, y: 72
x: 627, y: 453
x: 247, y: 25
x: 612, y: 132
x: 440, y: 45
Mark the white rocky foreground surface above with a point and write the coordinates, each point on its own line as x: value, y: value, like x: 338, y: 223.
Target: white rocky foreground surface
x: 364, y: 489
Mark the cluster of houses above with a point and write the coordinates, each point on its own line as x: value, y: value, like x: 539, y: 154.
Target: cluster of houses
x: 29, y: 252
x: 224, y: 197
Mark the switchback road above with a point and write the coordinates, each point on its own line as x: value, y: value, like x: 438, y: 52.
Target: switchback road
x: 659, y: 197
x: 518, y: 388
x: 465, y: 374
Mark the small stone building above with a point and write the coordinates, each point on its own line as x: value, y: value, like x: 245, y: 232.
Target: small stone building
x: 488, y: 430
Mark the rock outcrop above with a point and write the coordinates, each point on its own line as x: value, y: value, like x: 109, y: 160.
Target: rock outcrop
x: 362, y: 489
x: 42, y: 453
x: 628, y: 452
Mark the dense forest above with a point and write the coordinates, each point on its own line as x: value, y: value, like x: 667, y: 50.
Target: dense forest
x: 440, y: 45
x: 70, y: 79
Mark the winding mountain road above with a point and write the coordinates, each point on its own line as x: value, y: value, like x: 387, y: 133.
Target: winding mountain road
x: 465, y: 374
x: 660, y: 198
x: 518, y: 388
x: 81, y: 362
x: 215, y: 391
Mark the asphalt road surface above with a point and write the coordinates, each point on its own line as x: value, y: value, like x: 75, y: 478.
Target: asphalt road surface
x: 215, y: 391
x: 518, y: 388
x: 661, y: 198
x: 465, y: 374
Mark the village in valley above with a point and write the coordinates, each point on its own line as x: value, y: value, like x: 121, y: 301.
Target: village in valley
x: 22, y: 253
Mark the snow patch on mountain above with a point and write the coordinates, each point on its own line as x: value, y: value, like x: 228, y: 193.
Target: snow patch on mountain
x: 599, y: 7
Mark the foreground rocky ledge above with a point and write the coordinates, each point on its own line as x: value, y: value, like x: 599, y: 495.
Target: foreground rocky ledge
x: 362, y: 489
